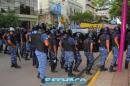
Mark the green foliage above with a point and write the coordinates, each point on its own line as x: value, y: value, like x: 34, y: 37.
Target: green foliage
x: 9, y: 19
x: 98, y: 3
x: 116, y: 8
x: 82, y: 17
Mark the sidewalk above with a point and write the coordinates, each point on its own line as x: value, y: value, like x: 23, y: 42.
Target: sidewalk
x: 113, y: 78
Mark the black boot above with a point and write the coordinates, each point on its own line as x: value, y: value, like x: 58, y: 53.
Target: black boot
x: 126, y: 64
x: 70, y: 74
x: 53, y: 67
x: 102, y: 68
x: 38, y: 75
x: 111, y: 69
x: 43, y: 80
x: 76, y: 69
x: 88, y: 72
x: 62, y: 62
x: 88, y: 69
x: 16, y: 66
x: 76, y: 66
x: 12, y: 65
x: 26, y: 57
x: 66, y: 69
x: 115, y: 65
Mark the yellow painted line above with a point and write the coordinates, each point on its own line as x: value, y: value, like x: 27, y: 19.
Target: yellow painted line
x: 94, y: 78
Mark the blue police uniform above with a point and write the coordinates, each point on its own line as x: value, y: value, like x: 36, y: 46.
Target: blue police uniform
x: 114, y: 48
x: 13, y: 52
x: 62, y: 60
x: 128, y: 50
x: 40, y: 53
x: 88, y: 54
x: 32, y: 49
x: 69, y: 45
x: 1, y: 44
x: 77, y: 55
x: 103, y: 50
x: 78, y: 60
x: 52, y: 54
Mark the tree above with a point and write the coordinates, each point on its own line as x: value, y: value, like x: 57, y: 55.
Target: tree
x: 82, y: 17
x: 116, y: 9
x: 98, y: 3
x: 8, y: 19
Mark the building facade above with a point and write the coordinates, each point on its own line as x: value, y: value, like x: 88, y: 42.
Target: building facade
x: 87, y: 5
x: 71, y: 7
x: 103, y: 12
x: 66, y: 9
x: 27, y: 10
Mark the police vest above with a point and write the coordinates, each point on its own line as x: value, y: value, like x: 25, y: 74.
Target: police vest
x: 24, y: 36
x: 12, y: 39
x: 37, y: 43
x: 67, y: 46
x: 102, y: 39
x: 79, y: 44
x: 113, y: 39
x: 87, y: 43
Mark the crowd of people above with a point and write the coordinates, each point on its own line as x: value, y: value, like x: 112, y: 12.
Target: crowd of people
x: 42, y: 44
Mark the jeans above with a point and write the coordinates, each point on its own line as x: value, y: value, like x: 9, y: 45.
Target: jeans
x: 42, y: 60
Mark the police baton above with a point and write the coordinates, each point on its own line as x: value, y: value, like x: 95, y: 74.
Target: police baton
x: 19, y: 58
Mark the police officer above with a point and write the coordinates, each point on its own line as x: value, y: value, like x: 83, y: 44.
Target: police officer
x: 53, y: 52
x: 88, y: 51
x: 77, y: 55
x: 24, y: 43
x: 69, y: 48
x: 1, y: 44
x: 41, y: 43
x: 5, y: 36
x: 32, y: 47
x: 62, y: 57
x: 18, y: 41
x: 115, y: 47
x: 128, y: 49
x: 11, y: 41
x: 104, y: 41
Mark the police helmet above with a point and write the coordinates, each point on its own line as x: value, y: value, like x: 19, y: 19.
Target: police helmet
x: 11, y: 29
x: 34, y: 28
x: 90, y: 35
x: 116, y: 29
x: 69, y: 32
x: 106, y: 30
x: 43, y: 27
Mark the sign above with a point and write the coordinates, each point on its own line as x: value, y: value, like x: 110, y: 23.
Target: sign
x: 68, y: 80
x: 80, y: 30
x: 90, y: 25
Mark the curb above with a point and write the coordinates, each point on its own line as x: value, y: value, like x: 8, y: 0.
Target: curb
x: 96, y: 75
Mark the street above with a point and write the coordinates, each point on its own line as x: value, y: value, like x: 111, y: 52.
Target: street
x: 27, y: 75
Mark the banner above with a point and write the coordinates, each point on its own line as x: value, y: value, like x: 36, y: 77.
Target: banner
x: 91, y: 26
